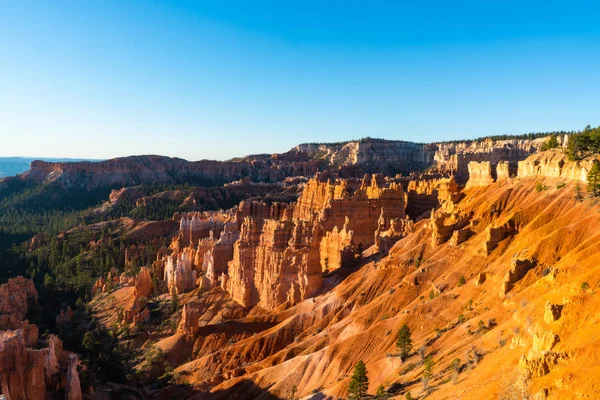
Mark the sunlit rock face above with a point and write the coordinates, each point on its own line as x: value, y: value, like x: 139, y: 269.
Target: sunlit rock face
x: 455, y: 157
x: 281, y: 258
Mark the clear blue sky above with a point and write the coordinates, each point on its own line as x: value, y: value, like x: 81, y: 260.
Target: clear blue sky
x: 101, y: 79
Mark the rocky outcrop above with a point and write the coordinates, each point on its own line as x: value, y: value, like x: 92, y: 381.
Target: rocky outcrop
x: 506, y: 170
x: 425, y: 194
x: 330, y: 203
x: 403, y: 156
x: 188, y: 325
x: 336, y: 248
x: 21, y: 369
x: 64, y: 317
x: 136, y: 312
x: 518, y: 269
x: 459, y: 236
x: 216, y: 259
x: 143, y: 283
x: 390, y: 231
x: 552, y: 312
x: 73, y: 386
x: 15, y: 297
x: 196, y: 226
x: 495, y: 234
x: 281, y: 259
x: 541, y: 358
x: 444, y: 225
x: 261, y: 210
x: 26, y: 373
x: 480, y: 174
x: 178, y: 273
x: 555, y: 164
x: 273, y: 262
x: 455, y: 157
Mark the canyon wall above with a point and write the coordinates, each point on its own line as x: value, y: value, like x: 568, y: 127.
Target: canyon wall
x: 281, y: 259
x: 423, y: 195
x: 16, y: 296
x: 399, y: 156
x: 454, y: 158
x: 555, y: 164
x: 548, y: 164
x: 150, y: 169
x: 27, y: 373
x: 343, y: 159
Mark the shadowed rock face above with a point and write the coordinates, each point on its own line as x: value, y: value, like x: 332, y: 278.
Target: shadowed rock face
x: 137, y: 170
x: 26, y: 373
x: 15, y: 298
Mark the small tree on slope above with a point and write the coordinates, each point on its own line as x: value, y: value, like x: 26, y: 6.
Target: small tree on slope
x: 359, y: 382
x: 593, y: 179
x: 404, y: 341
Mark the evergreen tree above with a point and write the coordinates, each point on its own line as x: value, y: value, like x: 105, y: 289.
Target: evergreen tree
x: 552, y: 143
x: 455, y: 369
x: 427, y: 372
x: 381, y: 393
x: 174, y: 300
x: 359, y: 382
x: 404, y: 341
x: 578, y: 195
x: 593, y: 179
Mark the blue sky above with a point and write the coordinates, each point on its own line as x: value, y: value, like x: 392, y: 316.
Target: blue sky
x: 101, y: 79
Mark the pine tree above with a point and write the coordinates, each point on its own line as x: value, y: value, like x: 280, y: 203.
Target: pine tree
x: 359, y: 382
x: 593, y: 179
x: 455, y: 369
x: 552, y: 143
x: 174, y: 300
x: 427, y: 372
x: 578, y: 196
x: 404, y: 341
x: 381, y: 394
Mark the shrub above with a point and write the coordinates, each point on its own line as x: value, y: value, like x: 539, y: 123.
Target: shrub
x: 540, y: 187
x: 481, y: 326
x: 585, y: 286
x: 293, y: 392
x: 561, y: 185
x: 422, y: 351
x: 462, y: 319
x: 462, y: 281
